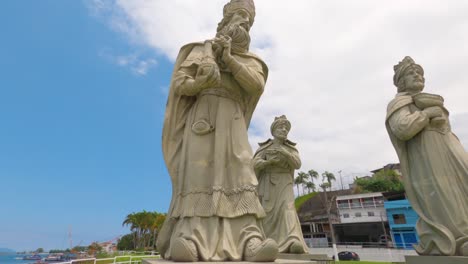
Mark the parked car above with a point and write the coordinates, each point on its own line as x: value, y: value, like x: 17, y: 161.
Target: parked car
x: 347, y: 255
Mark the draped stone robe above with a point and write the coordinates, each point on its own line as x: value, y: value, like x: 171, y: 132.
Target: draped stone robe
x: 215, y: 202
x: 277, y: 195
x: 434, y: 165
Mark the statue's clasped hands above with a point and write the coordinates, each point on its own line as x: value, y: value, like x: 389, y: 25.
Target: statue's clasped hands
x: 225, y: 43
x: 436, y: 114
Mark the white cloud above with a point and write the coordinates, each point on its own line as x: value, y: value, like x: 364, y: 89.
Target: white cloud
x: 135, y: 63
x: 331, y: 64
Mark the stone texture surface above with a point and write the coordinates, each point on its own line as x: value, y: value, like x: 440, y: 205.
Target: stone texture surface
x: 215, y: 212
x: 436, y: 260
x: 274, y: 164
x: 433, y: 162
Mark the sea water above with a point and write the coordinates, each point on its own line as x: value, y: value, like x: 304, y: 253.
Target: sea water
x: 14, y: 259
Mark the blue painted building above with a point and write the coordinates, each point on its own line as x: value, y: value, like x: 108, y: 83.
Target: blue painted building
x: 402, y: 222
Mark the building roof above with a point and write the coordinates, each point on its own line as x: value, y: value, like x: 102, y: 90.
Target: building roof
x: 359, y: 195
x: 395, y: 195
x: 390, y: 166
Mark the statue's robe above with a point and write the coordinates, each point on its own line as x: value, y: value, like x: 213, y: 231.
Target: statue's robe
x: 214, y: 199
x: 434, y: 166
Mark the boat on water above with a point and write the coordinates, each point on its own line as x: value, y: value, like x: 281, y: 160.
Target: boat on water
x: 53, y: 257
x: 32, y: 257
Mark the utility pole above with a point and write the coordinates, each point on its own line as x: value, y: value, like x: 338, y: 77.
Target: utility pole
x: 384, y: 230
x: 341, y: 180
x: 328, y: 205
x: 70, y: 237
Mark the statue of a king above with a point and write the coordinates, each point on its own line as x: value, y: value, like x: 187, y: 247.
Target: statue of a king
x: 215, y: 213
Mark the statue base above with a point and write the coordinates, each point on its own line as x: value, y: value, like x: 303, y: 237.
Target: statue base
x: 278, y: 261
x: 436, y: 259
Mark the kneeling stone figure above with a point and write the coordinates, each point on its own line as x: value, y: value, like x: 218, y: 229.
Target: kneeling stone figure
x: 274, y: 164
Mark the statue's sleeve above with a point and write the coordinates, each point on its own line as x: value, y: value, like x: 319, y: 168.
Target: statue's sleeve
x: 249, y: 74
x: 405, y: 125
x: 295, y: 160
x: 184, y: 77
x: 258, y: 162
x: 292, y: 157
x: 183, y: 82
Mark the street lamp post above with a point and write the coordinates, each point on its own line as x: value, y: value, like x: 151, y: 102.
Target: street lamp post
x: 341, y: 180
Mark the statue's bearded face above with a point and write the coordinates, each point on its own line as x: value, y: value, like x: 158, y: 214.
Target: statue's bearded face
x: 413, y: 80
x: 238, y: 30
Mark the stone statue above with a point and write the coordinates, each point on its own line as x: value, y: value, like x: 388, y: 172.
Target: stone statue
x: 274, y: 164
x: 215, y: 213
x: 433, y: 162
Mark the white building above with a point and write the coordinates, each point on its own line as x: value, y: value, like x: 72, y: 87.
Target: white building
x: 361, y: 208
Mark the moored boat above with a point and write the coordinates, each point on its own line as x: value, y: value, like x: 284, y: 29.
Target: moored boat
x: 32, y: 257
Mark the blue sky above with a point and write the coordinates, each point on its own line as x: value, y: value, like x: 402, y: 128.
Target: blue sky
x: 80, y: 134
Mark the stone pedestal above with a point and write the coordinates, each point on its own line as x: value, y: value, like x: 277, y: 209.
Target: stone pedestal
x: 278, y: 261
x: 436, y: 260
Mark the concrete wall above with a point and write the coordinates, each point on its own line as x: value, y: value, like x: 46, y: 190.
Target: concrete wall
x: 370, y: 254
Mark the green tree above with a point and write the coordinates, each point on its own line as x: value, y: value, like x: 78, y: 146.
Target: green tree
x: 40, y: 250
x: 79, y: 249
x: 126, y: 242
x: 327, y: 177
x: 300, y: 180
x: 312, y: 175
x: 94, y: 248
x: 382, y: 181
x: 310, y: 186
x: 145, y: 227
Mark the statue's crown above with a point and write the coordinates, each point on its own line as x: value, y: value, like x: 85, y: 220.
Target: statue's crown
x: 403, y: 64
x: 401, y: 67
x: 235, y: 5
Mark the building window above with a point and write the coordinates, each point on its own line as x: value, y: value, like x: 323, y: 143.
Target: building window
x: 318, y: 228
x: 399, y: 219
x: 343, y: 204
x: 356, y: 203
x: 358, y: 214
x: 370, y: 214
x: 345, y: 215
x: 368, y: 202
x: 379, y: 202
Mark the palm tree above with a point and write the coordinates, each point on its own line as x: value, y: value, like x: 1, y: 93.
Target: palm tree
x: 156, y: 224
x: 310, y: 186
x: 131, y: 220
x: 328, y: 177
x: 144, y: 226
x: 313, y: 175
x: 300, y: 180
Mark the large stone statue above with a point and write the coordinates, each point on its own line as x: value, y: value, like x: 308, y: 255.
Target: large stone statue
x: 433, y: 162
x: 274, y: 164
x: 215, y: 213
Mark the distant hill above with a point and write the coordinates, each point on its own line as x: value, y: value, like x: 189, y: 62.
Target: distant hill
x: 4, y: 251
